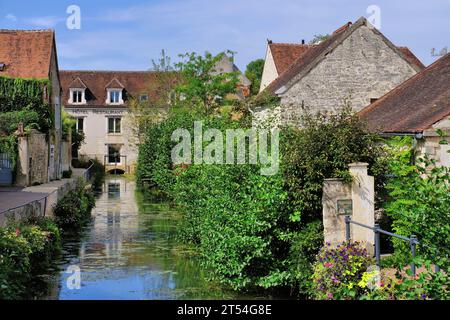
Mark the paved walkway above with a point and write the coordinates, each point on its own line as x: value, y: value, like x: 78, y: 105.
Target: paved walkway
x: 14, y: 197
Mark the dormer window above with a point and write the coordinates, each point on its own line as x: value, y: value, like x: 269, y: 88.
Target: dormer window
x: 77, y: 96
x: 114, y: 96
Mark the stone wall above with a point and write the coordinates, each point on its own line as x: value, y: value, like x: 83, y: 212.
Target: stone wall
x: 32, y: 160
x: 362, y: 68
x: 432, y: 144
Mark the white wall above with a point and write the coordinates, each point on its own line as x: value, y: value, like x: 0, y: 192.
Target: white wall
x: 269, y: 72
x: 96, y: 132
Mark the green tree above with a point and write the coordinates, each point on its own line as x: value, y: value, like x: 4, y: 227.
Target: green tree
x: 254, y: 73
x: 202, y: 84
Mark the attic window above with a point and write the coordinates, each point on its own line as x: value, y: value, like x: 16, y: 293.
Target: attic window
x: 114, y: 96
x: 2, y: 66
x: 372, y: 100
x: 77, y: 96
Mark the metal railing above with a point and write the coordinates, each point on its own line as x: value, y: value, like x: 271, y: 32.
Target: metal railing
x: 45, y: 198
x: 413, y: 241
x: 89, y: 171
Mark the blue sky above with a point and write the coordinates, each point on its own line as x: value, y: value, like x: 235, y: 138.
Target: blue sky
x: 126, y: 35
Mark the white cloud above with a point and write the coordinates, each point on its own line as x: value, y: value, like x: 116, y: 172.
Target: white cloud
x: 11, y: 17
x: 44, y: 22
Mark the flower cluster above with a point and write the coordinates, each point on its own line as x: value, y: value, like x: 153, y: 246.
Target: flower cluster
x: 338, y: 271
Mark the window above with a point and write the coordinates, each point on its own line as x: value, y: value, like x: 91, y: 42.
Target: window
x: 372, y: 100
x: 80, y: 124
x: 114, y: 153
x: 114, y: 125
x: 143, y: 97
x: 77, y: 96
x: 115, y: 97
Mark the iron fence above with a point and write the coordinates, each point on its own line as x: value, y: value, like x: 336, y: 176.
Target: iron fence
x: 413, y: 241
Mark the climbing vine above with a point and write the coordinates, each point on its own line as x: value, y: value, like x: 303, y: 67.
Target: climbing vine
x: 18, y: 94
x: 23, y: 101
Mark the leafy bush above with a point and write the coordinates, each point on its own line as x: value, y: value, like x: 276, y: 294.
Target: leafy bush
x: 323, y: 148
x: 98, y: 175
x: 339, y: 271
x: 27, y: 95
x: 74, y: 209
x: 25, y: 248
x: 67, y: 174
x: 419, y: 204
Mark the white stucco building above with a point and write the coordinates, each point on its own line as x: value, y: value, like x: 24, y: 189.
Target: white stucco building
x: 99, y: 100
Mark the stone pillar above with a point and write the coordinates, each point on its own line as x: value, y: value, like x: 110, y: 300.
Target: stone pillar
x: 363, y: 198
x: 362, y: 195
x: 334, y: 224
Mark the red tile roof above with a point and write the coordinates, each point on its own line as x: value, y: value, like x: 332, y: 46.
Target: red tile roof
x: 416, y: 104
x: 134, y: 83
x: 27, y: 54
x: 285, y: 54
x: 317, y: 53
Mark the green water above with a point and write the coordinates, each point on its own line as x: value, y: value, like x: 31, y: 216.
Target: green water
x: 129, y: 251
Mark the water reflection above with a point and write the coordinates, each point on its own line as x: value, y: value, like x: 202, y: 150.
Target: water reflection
x: 129, y: 251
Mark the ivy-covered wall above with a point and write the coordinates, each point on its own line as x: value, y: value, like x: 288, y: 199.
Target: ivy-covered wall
x: 23, y: 101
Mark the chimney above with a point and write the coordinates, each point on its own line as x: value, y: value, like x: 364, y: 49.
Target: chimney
x: 303, y: 41
x: 269, y: 41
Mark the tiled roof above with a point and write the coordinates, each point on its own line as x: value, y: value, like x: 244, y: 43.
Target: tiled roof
x: 26, y: 54
x: 416, y: 104
x: 285, y: 54
x: 312, y: 57
x: 152, y: 83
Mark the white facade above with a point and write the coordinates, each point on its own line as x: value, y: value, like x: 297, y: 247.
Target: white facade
x: 103, y: 134
x: 270, y: 72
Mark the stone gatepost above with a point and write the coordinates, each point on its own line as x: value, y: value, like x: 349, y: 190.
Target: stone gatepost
x: 357, y: 200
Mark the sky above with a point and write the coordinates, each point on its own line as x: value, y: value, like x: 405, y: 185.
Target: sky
x: 127, y: 35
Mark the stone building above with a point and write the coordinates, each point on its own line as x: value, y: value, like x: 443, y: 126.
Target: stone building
x: 279, y: 57
x: 100, y: 100
x: 226, y: 65
x: 32, y: 55
x: 418, y: 108
x: 356, y: 65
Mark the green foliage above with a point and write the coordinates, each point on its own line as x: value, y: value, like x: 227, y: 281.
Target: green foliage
x: 25, y: 248
x: 323, y: 148
x: 98, y: 176
x: 67, y: 174
x: 254, y: 73
x: 254, y: 231
x: 419, y: 204
x: 27, y: 95
x: 232, y: 212
x: 74, y: 209
x: 202, y: 84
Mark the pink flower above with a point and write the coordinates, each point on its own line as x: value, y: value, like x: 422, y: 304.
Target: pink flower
x: 17, y: 232
x: 328, y: 264
x: 330, y: 295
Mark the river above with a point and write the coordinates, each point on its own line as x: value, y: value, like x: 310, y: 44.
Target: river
x: 129, y: 251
